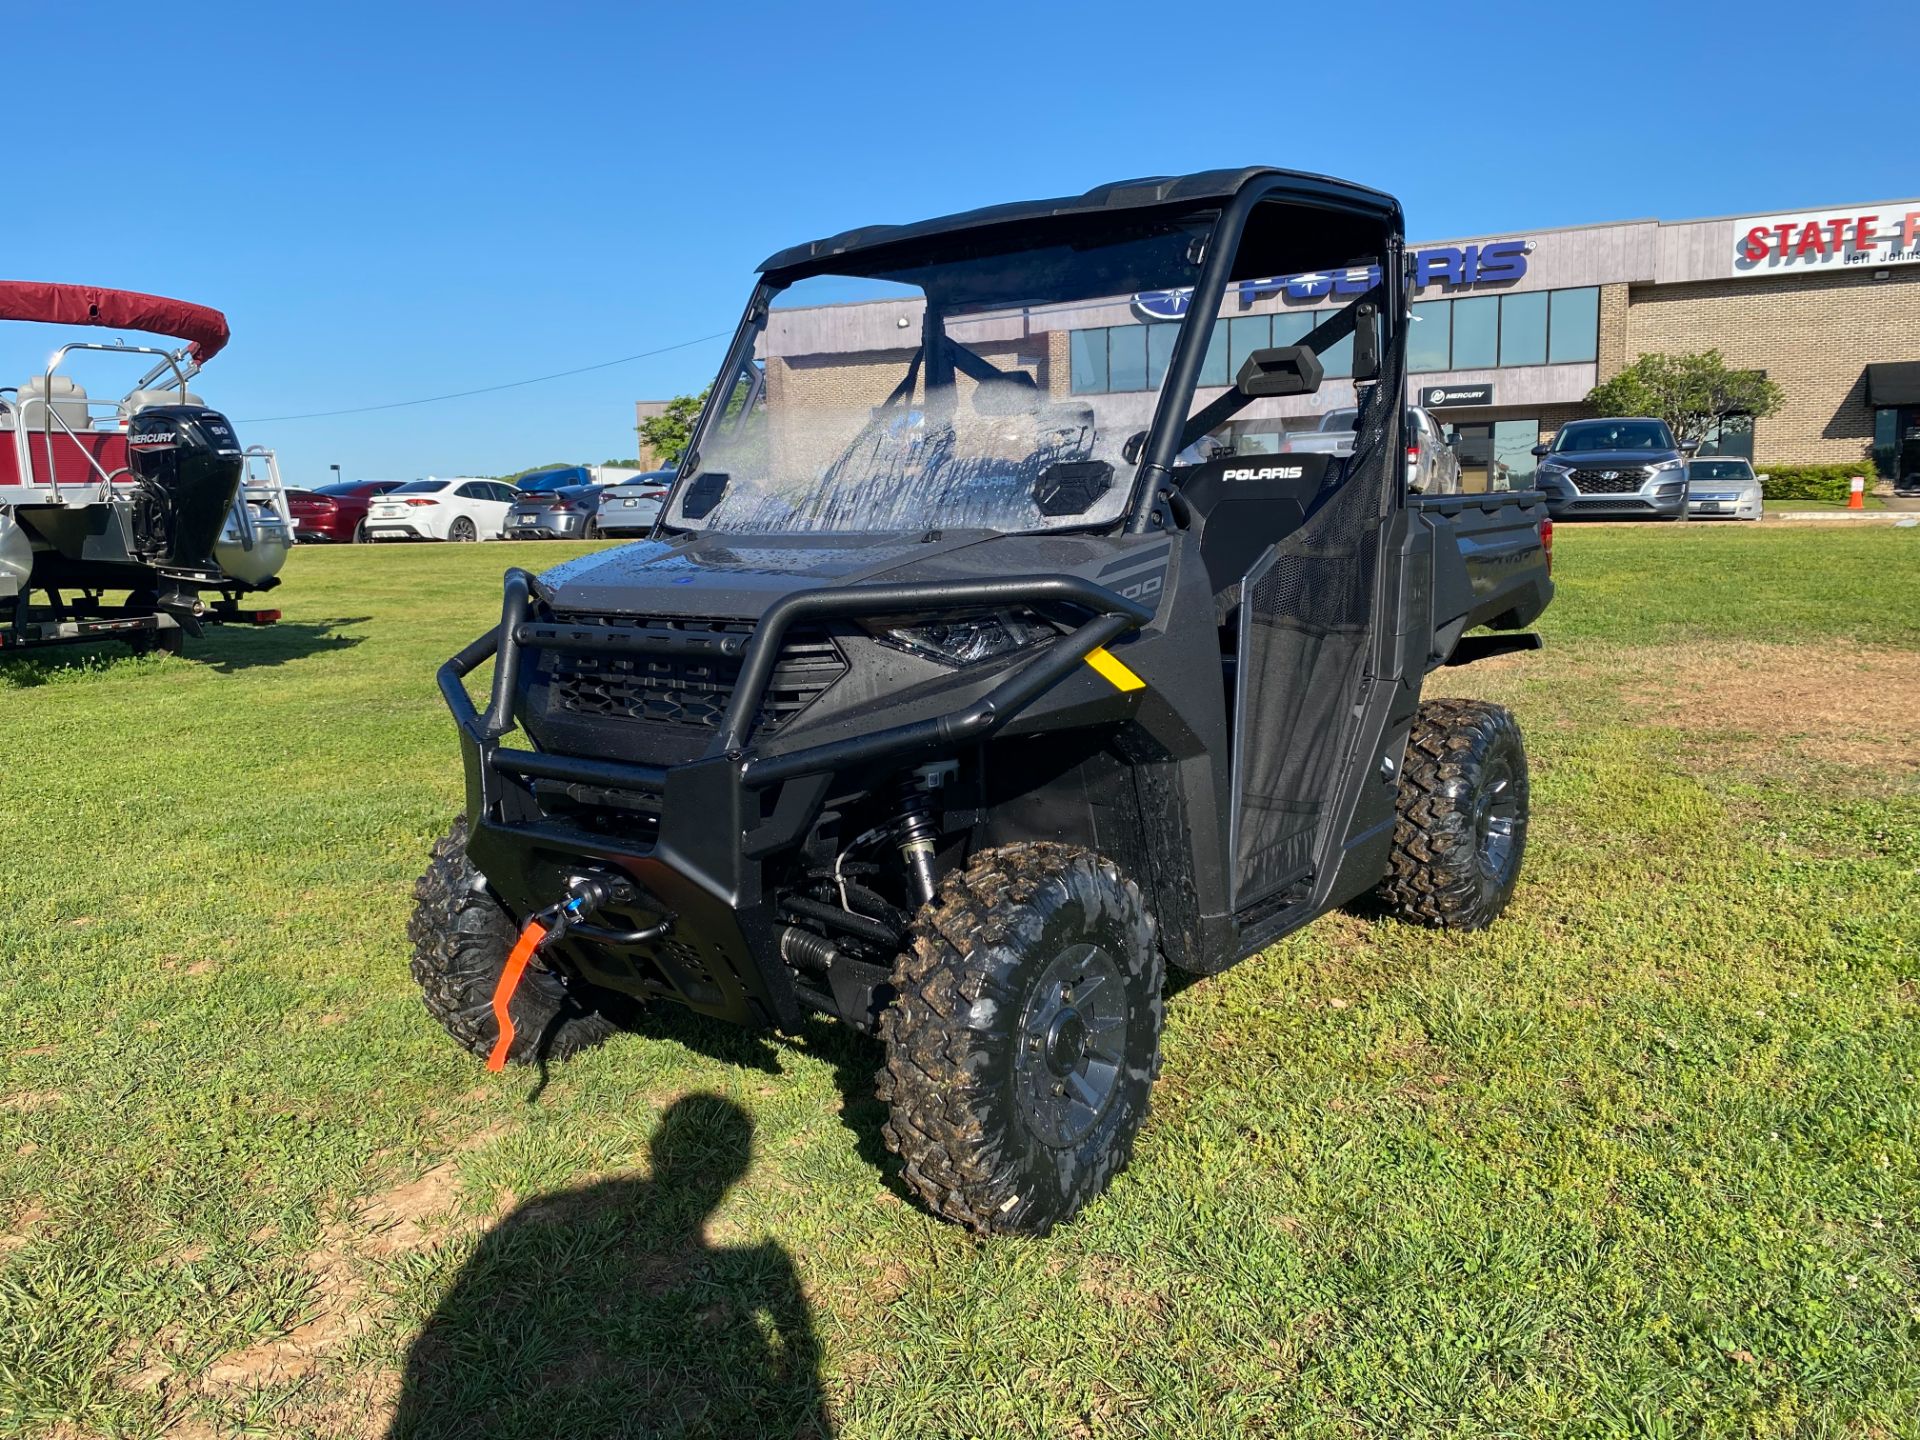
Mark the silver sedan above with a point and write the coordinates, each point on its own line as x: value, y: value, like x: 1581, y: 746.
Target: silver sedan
x: 1723, y: 487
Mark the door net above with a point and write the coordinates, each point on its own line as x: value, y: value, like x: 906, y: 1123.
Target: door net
x: 1304, y: 638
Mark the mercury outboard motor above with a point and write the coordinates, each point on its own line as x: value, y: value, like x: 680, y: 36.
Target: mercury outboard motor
x: 188, y: 463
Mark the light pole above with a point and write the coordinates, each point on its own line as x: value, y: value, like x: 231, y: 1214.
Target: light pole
x: 336, y: 473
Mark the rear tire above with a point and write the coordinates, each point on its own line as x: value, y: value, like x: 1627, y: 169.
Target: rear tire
x: 461, y: 936
x: 462, y: 531
x: 1025, y: 1038
x: 1461, y: 828
x: 360, y: 536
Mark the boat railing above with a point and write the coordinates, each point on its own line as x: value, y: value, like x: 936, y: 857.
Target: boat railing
x: 50, y: 422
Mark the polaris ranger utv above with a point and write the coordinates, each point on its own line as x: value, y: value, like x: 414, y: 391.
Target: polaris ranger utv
x: 954, y: 696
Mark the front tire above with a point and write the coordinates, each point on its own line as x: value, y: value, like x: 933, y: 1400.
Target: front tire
x: 1460, y: 831
x: 462, y: 531
x: 461, y: 936
x: 1025, y: 1038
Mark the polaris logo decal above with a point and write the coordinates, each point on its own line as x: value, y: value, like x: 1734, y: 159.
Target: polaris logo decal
x: 1266, y: 472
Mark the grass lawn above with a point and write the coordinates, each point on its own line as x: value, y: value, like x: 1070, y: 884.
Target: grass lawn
x: 1641, y: 1159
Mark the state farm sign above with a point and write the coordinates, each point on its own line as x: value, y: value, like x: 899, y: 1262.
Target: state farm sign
x: 1827, y: 239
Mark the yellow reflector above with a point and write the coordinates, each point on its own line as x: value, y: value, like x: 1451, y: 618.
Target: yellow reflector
x: 1121, y: 677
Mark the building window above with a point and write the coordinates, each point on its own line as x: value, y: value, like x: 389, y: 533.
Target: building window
x: 1731, y: 436
x: 1428, y: 341
x: 1160, y: 340
x: 1127, y: 357
x: 1573, y: 328
x: 1089, y: 356
x: 1290, y: 327
x: 1213, y: 365
x: 1523, y: 329
x: 1476, y: 333
x: 1245, y: 335
x: 1888, y: 440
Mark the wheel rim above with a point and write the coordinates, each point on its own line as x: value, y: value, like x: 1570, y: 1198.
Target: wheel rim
x: 1496, y: 820
x: 463, y: 529
x: 1072, y: 1045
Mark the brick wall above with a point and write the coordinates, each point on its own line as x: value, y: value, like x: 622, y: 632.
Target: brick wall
x: 1814, y: 337
x: 1614, y: 335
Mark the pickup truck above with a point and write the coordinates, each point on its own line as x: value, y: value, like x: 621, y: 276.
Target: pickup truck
x: 1432, y: 466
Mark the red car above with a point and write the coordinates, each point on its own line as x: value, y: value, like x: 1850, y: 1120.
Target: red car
x: 335, y: 512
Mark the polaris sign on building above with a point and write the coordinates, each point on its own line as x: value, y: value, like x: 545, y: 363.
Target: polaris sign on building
x: 1450, y: 266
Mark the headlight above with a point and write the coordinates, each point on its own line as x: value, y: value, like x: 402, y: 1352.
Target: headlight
x: 1554, y: 467
x: 1665, y: 465
x: 970, y: 639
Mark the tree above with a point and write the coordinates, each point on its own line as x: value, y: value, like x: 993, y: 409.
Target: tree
x: 667, y: 433
x: 1692, y: 393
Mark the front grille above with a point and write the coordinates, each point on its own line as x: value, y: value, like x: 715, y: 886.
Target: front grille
x: 691, y: 691
x: 1609, y: 482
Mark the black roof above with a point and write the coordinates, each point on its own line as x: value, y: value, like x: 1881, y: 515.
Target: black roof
x: 1168, y: 191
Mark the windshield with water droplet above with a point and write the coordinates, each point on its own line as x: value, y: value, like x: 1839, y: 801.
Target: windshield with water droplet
x: 991, y: 390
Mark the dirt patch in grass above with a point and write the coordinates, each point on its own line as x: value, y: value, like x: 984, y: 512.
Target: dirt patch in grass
x: 1846, y: 704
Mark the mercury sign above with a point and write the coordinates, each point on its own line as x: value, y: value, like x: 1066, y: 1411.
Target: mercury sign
x: 1453, y: 266
x: 1826, y: 240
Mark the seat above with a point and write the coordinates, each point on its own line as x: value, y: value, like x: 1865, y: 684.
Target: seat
x: 139, y: 400
x: 62, y: 396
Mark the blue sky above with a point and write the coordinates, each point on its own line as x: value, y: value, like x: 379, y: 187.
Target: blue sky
x: 395, y: 201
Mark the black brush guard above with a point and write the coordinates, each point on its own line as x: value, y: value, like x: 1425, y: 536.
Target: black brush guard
x: 720, y: 815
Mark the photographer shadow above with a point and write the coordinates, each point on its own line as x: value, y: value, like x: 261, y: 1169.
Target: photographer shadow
x: 604, y: 1311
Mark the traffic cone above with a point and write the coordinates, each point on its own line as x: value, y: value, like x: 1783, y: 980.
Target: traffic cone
x: 1857, y: 495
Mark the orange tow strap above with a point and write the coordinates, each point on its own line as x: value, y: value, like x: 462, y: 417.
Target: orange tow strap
x: 523, y: 949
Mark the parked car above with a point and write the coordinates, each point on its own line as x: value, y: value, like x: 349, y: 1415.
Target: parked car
x: 1723, y: 485
x: 456, y: 509
x: 566, y: 514
x: 1432, y: 466
x: 630, y: 507
x: 560, y: 477
x: 336, y: 512
x: 1623, y: 466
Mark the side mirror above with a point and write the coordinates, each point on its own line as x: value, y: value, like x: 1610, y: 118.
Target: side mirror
x: 1539, y: 450
x: 1069, y: 487
x: 1690, y: 448
x: 703, y: 495
x: 1281, y: 370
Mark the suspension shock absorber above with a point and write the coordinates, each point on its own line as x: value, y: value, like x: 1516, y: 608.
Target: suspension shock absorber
x: 914, y: 830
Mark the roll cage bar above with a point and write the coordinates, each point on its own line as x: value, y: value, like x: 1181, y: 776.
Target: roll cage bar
x: 1172, y: 429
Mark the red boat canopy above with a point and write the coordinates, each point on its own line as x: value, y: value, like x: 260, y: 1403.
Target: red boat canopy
x: 204, y: 328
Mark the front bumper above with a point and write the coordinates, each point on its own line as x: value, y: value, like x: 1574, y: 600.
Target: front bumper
x: 1724, y: 505
x: 693, y: 838
x: 1657, y: 499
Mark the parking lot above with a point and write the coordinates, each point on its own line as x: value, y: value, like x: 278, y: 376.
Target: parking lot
x: 1645, y: 1150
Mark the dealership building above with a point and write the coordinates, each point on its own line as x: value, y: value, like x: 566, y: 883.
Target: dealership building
x: 1511, y: 333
